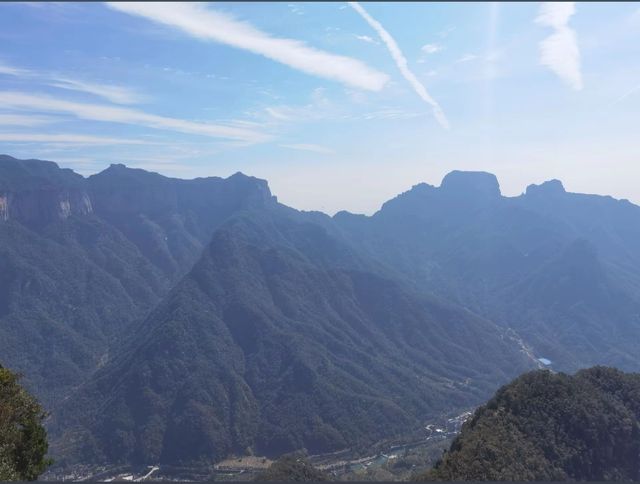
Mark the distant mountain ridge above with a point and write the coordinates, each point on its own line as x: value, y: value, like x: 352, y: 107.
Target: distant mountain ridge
x: 179, y: 321
x: 486, y: 252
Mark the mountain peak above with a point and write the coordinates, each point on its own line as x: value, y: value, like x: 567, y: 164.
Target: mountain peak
x: 470, y: 183
x: 551, y: 187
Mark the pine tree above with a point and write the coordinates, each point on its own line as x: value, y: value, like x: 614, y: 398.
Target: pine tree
x: 23, y: 439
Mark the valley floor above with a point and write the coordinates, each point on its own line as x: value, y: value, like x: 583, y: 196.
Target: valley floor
x: 392, y: 460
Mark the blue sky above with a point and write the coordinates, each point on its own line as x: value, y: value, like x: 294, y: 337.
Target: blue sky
x: 338, y: 105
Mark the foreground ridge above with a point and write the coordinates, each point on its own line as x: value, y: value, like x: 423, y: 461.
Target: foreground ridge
x: 551, y: 427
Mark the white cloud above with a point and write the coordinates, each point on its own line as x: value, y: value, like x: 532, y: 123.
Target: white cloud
x: 366, y: 38
x: 24, y: 120
x: 466, y: 58
x: 431, y: 48
x: 560, y: 50
x: 310, y: 147
x: 101, y: 112
x: 446, y: 31
x: 76, y: 139
x: 281, y: 113
x: 555, y: 14
x: 202, y: 23
x: 391, y: 114
x: 402, y: 64
x: 299, y: 113
x: 115, y: 94
x: 9, y: 70
x: 295, y: 9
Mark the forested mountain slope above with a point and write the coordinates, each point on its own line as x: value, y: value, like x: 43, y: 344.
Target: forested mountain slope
x: 552, y: 427
x: 82, y: 259
x: 282, y: 338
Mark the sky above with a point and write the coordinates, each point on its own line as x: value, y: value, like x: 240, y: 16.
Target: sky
x: 340, y: 106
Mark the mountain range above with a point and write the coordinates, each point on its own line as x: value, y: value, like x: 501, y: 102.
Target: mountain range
x: 181, y: 321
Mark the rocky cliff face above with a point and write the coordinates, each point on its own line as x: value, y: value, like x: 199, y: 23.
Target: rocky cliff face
x: 36, y: 192
x: 4, y: 208
x: 40, y: 207
x: 168, y: 219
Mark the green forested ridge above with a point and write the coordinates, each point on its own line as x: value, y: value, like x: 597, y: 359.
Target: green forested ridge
x: 23, y: 439
x: 279, y: 340
x: 292, y: 467
x: 83, y: 259
x: 551, y: 426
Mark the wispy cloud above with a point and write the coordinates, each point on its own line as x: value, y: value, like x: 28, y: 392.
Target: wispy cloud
x: 115, y: 94
x: 366, y: 38
x: 427, y: 50
x: 560, y: 50
x: 206, y: 24
x: 295, y: 9
x: 446, y: 31
x: 392, y: 114
x: 402, y: 64
x: 309, y: 147
x: 431, y: 48
x: 281, y: 113
x: 319, y: 107
x: 466, y: 58
x: 76, y: 139
x: 9, y: 70
x: 114, y: 114
x: 24, y: 120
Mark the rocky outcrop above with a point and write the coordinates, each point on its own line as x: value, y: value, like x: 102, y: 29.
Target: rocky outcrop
x: 471, y: 184
x: 546, y: 189
x: 40, y: 207
x: 36, y: 192
x: 4, y: 208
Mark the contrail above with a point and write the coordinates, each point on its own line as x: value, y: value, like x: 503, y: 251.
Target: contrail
x: 401, y: 62
x: 199, y: 21
x: 625, y: 95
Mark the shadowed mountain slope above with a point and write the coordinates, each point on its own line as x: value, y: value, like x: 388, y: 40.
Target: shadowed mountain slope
x: 79, y: 261
x: 282, y: 338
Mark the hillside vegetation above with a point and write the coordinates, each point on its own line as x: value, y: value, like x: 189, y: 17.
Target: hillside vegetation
x: 181, y: 321
x: 548, y: 427
x: 23, y: 439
